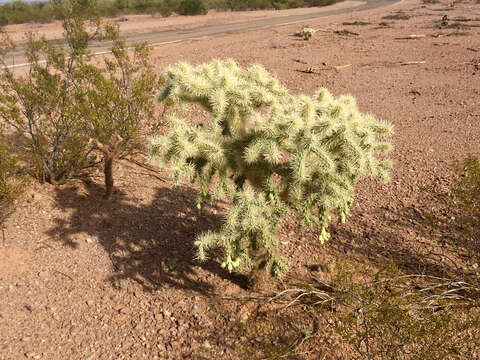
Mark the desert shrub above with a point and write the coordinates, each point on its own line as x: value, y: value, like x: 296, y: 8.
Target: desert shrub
x: 40, y: 106
x: 11, y: 181
x: 397, y: 316
x: 65, y: 107
x: 192, y: 7
x: 3, y: 20
x: 267, y: 151
x: 9, y: 187
x: 118, y: 101
x: 167, y: 7
x: 237, y: 5
x: 455, y: 210
x: 387, y: 314
x: 467, y: 190
x: 307, y: 33
x: 466, y: 202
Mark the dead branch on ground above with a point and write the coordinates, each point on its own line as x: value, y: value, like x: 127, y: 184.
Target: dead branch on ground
x: 346, y: 32
x: 410, y: 37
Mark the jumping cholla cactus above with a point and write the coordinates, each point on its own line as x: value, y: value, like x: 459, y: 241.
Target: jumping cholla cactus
x: 307, y: 33
x: 269, y: 152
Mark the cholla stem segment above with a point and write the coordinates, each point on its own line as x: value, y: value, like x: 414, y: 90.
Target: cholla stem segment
x: 269, y: 152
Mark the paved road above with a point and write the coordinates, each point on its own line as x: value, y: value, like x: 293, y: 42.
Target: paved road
x: 166, y: 36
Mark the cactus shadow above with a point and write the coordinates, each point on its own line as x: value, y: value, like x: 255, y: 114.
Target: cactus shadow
x: 150, y: 242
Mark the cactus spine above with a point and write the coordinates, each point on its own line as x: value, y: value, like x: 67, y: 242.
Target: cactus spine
x: 269, y: 152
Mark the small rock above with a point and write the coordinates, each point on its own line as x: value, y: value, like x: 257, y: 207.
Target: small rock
x: 32, y: 355
x: 90, y: 302
x: 244, y: 315
x: 125, y: 310
x: 89, y: 240
x: 206, y: 344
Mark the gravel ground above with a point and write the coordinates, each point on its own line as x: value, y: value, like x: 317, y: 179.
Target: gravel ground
x: 81, y: 278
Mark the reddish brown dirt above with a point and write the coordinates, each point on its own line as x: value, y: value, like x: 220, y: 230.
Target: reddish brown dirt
x: 83, y: 278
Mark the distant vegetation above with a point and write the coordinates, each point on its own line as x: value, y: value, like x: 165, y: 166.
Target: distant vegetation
x: 17, y: 12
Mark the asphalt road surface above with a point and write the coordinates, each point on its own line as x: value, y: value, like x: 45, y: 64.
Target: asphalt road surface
x: 16, y: 58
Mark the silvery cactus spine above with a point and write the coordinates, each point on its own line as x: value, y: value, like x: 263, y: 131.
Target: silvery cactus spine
x: 267, y: 151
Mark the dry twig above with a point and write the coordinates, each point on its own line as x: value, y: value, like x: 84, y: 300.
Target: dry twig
x: 315, y: 70
x: 345, y: 32
x: 410, y: 37
x: 412, y: 62
x: 61, y: 273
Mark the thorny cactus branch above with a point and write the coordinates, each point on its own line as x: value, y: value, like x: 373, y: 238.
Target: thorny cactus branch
x: 269, y: 152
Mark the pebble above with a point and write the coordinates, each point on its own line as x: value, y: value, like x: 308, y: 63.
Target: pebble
x: 32, y: 355
x: 125, y: 310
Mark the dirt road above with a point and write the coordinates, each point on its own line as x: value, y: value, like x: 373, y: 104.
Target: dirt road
x: 17, y: 59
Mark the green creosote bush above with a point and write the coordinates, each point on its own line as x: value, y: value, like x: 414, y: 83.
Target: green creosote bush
x: 466, y: 200
x: 39, y: 106
x: 11, y: 181
x: 467, y: 190
x: 65, y: 106
x: 118, y: 101
x: 267, y: 151
x: 369, y: 314
x: 457, y: 207
x: 406, y: 316
x: 192, y: 7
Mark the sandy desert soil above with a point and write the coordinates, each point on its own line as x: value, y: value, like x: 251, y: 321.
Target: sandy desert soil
x: 81, y: 278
